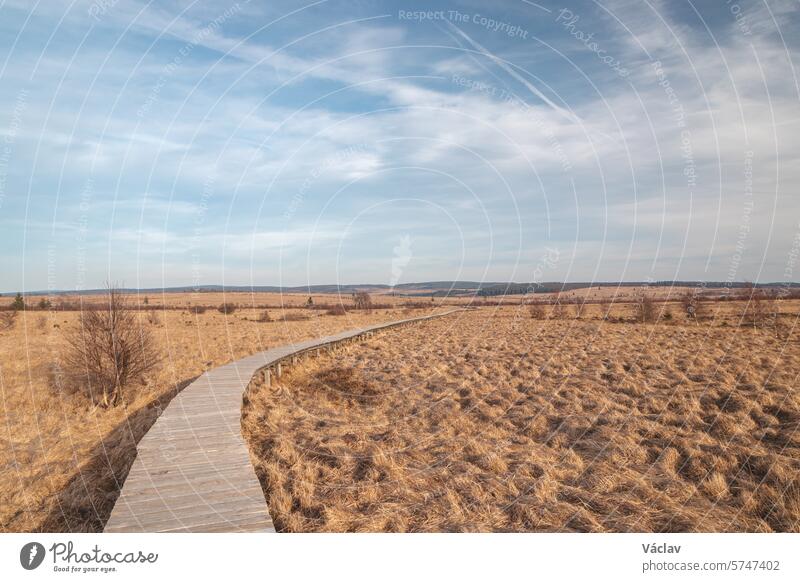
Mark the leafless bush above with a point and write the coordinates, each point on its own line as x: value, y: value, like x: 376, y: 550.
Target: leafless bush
x: 537, y: 311
x: 695, y: 308
x: 336, y: 310
x: 109, y: 348
x: 689, y: 306
x: 198, y: 309
x: 153, y: 318
x: 757, y: 308
x: 780, y: 326
x: 645, y: 308
x: 783, y: 331
x: 264, y: 317
x: 580, y: 308
x: 362, y: 300
x: 558, y: 311
x: 7, y: 319
x: 227, y: 308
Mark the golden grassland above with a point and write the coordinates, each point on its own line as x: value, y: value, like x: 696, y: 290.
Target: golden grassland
x: 62, y: 460
x: 256, y: 300
x: 183, y: 300
x: 489, y: 420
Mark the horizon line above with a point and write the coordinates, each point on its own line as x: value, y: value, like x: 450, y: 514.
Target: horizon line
x: 240, y: 288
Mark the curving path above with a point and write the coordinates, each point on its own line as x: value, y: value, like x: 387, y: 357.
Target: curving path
x: 192, y: 472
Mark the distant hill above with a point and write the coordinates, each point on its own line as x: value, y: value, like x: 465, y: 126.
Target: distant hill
x: 426, y: 288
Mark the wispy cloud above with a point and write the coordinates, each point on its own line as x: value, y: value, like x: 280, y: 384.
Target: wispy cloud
x: 239, y: 135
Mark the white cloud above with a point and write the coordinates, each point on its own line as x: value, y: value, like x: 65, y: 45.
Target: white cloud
x: 261, y: 145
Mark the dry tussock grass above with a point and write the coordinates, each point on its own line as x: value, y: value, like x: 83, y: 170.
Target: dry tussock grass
x: 493, y: 421
x: 63, y: 460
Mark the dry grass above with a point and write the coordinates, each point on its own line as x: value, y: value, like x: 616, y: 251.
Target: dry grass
x: 62, y: 460
x: 185, y: 300
x: 242, y: 300
x: 493, y: 421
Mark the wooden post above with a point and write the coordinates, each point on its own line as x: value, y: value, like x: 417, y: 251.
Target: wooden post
x: 278, y: 370
x: 267, y: 378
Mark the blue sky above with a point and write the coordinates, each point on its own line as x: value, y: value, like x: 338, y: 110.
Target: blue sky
x: 179, y: 143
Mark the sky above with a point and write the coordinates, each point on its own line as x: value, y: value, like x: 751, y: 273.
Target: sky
x: 289, y: 143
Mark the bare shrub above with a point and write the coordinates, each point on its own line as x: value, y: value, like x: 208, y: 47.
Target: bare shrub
x: 153, y: 318
x: 559, y: 310
x: 198, y: 309
x: 645, y: 308
x: 227, y: 308
x: 780, y: 326
x: 757, y: 308
x: 537, y: 311
x: 264, y: 317
x: 580, y: 308
x: 108, y: 349
x: 7, y: 319
x: 338, y: 310
x: 694, y: 308
x: 362, y: 300
x: 772, y: 310
x: 690, y: 306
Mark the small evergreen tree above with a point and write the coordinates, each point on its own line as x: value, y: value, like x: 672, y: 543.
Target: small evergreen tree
x: 19, y: 303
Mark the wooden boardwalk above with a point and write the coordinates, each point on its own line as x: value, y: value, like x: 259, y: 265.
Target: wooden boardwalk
x: 192, y: 472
